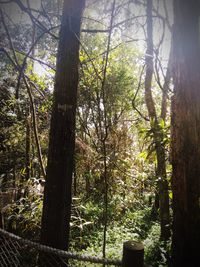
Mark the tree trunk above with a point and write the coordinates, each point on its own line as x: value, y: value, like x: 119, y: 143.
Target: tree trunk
x: 163, y: 191
x: 58, y: 187
x: 186, y: 134
x: 157, y: 131
x: 28, y: 146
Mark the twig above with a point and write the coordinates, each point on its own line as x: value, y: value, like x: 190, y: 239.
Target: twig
x: 33, y: 18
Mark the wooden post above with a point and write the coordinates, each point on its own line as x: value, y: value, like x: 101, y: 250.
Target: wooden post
x: 133, y: 254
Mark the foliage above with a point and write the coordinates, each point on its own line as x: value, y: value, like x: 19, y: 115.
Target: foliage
x: 136, y: 224
x: 23, y: 217
x: 157, y: 252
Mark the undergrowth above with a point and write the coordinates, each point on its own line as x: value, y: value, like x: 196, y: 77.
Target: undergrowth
x: 23, y: 218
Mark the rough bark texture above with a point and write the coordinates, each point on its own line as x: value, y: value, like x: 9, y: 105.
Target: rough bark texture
x: 157, y: 131
x: 186, y: 134
x: 57, y: 194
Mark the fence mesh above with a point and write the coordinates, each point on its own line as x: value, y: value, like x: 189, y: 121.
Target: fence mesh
x: 19, y: 252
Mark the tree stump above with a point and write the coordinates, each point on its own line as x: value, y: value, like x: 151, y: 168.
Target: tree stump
x: 133, y: 254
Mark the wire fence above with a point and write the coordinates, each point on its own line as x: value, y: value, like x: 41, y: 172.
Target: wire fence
x: 18, y: 252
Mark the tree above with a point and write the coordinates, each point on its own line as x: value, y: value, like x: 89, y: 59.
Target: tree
x: 57, y: 194
x: 158, y: 135
x: 186, y: 134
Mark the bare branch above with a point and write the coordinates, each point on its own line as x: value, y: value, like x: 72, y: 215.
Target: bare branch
x: 34, y: 19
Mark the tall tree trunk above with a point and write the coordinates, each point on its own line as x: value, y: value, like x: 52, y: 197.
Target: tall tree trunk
x: 57, y: 193
x: 186, y: 134
x: 157, y: 131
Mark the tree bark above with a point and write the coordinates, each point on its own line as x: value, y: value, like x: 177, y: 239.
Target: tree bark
x: 186, y: 134
x: 58, y: 187
x: 157, y: 131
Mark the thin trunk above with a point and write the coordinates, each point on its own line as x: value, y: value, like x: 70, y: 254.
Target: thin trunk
x: 157, y: 132
x: 28, y: 145
x: 186, y: 134
x: 104, y: 134
x: 35, y: 127
x: 74, y: 181
x: 166, y: 85
x: 149, y: 65
x: 29, y: 117
x: 87, y: 181
x: 33, y: 171
x: 58, y: 187
x: 163, y: 191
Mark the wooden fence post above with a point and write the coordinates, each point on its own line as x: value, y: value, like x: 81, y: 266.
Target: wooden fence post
x: 133, y: 254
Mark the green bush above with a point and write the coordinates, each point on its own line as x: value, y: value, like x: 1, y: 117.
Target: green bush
x: 156, y: 251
